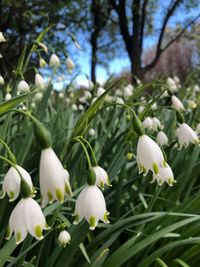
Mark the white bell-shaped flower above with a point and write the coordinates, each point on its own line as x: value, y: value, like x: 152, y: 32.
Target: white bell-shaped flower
x: 100, y: 91
x: 128, y: 91
x: 23, y: 87
x: 177, y: 104
x: 172, y: 85
x: 12, y: 182
x: 198, y: 129
x: 162, y: 138
x: 186, y: 135
x: 42, y: 63
x: 74, y: 107
x: 196, y: 88
x: 44, y: 47
x: 2, y: 82
x: 27, y: 217
x: 39, y: 81
x: 54, y: 181
x: 101, y: 177
x: 156, y: 124
x: 64, y: 238
x: 149, y: 155
x: 70, y: 64
x: 54, y: 61
x: 148, y: 123
x: 165, y: 175
x: 2, y: 38
x: 91, y: 205
x: 8, y: 96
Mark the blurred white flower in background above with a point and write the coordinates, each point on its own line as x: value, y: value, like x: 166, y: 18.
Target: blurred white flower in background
x: 186, y: 135
x: 39, y: 81
x: 8, y: 96
x: 54, y: 61
x: 2, y: 38
x: 2, y: 82
x: 177, y: 104
x: 162, y: 138
x: 23, y: 87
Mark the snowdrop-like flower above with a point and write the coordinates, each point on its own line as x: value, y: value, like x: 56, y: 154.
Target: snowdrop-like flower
x: 23, y: 87
x: 1, y: 56
x: 81, y: 107
x: 90, y: 84
x: 64, y: 238
x: 100, y: 91
x: 196, y: 88
x: 61, y: 95
x: 186, y: 135
x: 27, y: 217
x: 156, y: 124
x: 165, y: 175
x: 70, y: 64
x: 176, y: 79
x: 101, y: 177
x: 191, y: 104
x: 42, y: 63
x: 38, y: 96
x: 12, y: 182
x: 53, y: 181
x: 1, y: 80
x: 172, y: 85
x: 87, y: 94
x: 39, y: 82
x: 140, y: 109
x: 162, y: 138
x: 2, y: 39
x: 119, y: 100
x: 54, y: 61
x: 43, y: 46
x: 8, y: 96
x: 149, y: 156
x: 91, y: 205
x: 74, y: 107
x: 177, y: 104
x: 128, y: 91
x: 148, y: 123
x: 91, y: 132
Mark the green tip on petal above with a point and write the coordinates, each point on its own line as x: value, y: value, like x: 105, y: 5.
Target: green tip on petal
x: 59, y: 195
x: 160, y: 181
x: 11, y: 196
x: 105, y: 217
x: 108, y: 182
x: 164, y: 163
x: 50, y: 197
x: 38, y: 231
x: 155, y: 168
x: 102, y: 185
x: 76, y: 220
x: 8, y: 233
x: 68, y: 190
x: 170, y: 181
x: 18, y: 238
x: 93, y: 222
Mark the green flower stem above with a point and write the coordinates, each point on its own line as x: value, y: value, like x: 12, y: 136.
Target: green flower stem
x: 93, y: 160
x: 137, y: 124
x: 91, y: 179
x: 25, y: 188
x: 10, y: 154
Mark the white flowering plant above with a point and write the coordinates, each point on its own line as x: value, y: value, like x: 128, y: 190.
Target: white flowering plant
x: 98, y: 176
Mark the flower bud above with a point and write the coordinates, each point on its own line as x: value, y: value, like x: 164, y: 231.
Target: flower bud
x: 64, y: 238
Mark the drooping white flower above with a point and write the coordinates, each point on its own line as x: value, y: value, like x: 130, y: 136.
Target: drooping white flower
x: 119, y: 100
x: 162, y: 138
x: 39, y: 81
x: 176, y: 79
x: 64, y: 238
x: 148, y: 123
x: 186, y: 135
x: 149, y: 155
x: 12, y: 182
x: 87, y: 94
x: 165, y: 175
x: 91, y: 132
x: 43, y: 46
x: 100, y: 91
x: 61, y: 95
x: 23, y: 87
x: 140, y: 109
x: 74, y: 107
x: 2, y: 38
x: 172, y: 85
x: 38, y: 96
x: 8, y: 96
x: 42, y: 63
x: 128, y: 91
x: 191, y: 104
x: 91, y: 205
x: 177, y: 104
x: 27, y: 217
x: 80, y: 107
x: 2, y: 82
x: 1, y: 56
x: 53, y: 181
x: 156, y: 124
x: 54, y: 61
x: 70, y: 64
x: 196, y: 88
x: 101, y: 177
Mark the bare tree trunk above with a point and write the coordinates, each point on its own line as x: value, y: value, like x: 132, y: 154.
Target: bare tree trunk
x: 93, y: 57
